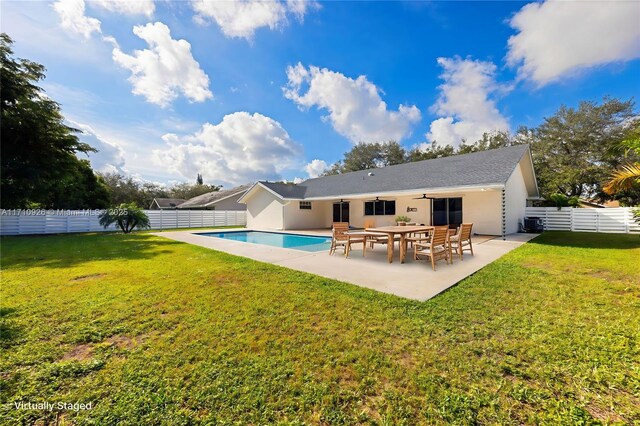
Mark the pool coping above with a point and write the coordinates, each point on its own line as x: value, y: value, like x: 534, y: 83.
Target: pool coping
x: 412, y: 280
x: 244, y: 230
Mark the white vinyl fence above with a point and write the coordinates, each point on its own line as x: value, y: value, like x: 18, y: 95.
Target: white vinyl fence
x: 619, y: 219
x: 33, y: 222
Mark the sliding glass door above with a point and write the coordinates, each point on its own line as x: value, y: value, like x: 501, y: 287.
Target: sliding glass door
x: 341, y: 212
x: 447, y: 211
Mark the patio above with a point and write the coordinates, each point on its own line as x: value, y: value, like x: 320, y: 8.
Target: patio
x: 412, y: 280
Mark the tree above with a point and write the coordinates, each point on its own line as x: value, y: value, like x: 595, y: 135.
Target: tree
x: 364, y: 156
x: 392, y: 153
x: 433, y: 151
x: 199, y: 180
x: 125, y: 189
x: 572, y: 150
x: 627, y: 177
x: 38, y: 151
x: 187, y: 191
x: 81, y: 189
x: 126, y: 216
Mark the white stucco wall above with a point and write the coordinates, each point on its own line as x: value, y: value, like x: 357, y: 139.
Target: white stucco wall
x: 422, y: 215
x: 264, y: 211
x: 320, y: 216
x: 516, y: 200
x: 484, y: 210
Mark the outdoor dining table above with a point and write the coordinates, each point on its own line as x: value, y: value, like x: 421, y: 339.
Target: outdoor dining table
x: 403, y: 231
x: 359, y: 234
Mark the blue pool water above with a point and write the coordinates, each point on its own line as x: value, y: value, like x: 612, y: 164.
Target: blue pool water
x: 275, y: 239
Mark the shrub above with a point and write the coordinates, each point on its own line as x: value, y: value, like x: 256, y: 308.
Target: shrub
x: 126, y: 216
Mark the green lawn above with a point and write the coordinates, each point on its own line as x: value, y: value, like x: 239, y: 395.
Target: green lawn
x: 152, y: 331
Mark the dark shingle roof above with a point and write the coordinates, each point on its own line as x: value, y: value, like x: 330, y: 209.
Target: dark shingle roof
x: 169, y: 202
x: 211, y: 197
x: 479, y: 168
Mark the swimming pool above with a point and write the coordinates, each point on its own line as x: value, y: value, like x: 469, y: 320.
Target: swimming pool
x: 276, y: 239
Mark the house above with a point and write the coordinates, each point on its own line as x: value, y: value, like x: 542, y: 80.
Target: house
x: 165, y: 203
x: 488, y: 188
x: 217, y: 200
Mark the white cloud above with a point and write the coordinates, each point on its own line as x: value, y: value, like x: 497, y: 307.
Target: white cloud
x: 127, y: 7
x: 559, y: 37
x: 241, y: 148
x: 73, y: 19
x: 109, y: 158
x: 241, y: 18
x: 315, y: 168
x: 355, y: 108
x: 465, y: 104
x: 166, y: 69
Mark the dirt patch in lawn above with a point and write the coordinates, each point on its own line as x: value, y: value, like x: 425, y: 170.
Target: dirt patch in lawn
x: 603, y: 414
x: 79, y: 353
x: 88, y: 277
x: 125, y: 342
x: 86, y: 350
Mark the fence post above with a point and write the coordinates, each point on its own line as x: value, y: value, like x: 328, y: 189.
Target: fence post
x: 571, y: 218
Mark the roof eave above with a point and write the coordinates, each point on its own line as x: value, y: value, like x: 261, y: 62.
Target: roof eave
x: 443, y: 189
x: 242, y: 199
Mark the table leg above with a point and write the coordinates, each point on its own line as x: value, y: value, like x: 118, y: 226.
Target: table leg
x: 403, y: 247
x: 390, y: 248
x: 364, y: 245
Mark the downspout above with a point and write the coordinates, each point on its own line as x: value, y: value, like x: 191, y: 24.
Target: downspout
x: 284, y: 225
x: 504, y: 214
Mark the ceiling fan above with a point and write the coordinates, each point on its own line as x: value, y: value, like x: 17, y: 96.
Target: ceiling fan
x: 424, y: 197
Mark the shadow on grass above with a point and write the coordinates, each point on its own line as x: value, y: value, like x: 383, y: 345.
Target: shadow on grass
x: 592, y: 240
x: 63, y: 251
x: 9, y: 333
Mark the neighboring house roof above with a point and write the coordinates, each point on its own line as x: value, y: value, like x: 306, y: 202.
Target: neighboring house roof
x: 211, y: 198
x: 485, y: 168
x: 594, y: 204
x: 167, y: 203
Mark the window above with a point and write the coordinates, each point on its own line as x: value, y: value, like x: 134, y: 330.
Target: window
x: 305, y: 205
x: 380, y: 208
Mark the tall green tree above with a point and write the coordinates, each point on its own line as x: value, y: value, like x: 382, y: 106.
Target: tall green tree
x: 365, y: 156
x: 38, y: 151
x: 572, y: 150
x: 125, y: 189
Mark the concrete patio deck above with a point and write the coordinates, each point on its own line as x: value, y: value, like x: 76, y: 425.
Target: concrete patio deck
x: 412, y: 280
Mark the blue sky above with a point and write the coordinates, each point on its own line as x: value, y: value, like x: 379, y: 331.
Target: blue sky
x: 240, y: 91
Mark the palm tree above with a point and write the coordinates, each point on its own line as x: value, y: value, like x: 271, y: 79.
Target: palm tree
x: 126, y: 216
x: 628, y: 175
x: 623, y: 179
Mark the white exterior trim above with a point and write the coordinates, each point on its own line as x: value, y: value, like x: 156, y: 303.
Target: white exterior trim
x: 441, y: 190
x: 241, y: 199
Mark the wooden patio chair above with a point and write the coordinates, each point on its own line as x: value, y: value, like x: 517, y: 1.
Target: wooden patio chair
x: 382, y: 239
x: 418, y: 237
x: 462, y: 240
x: 436, y: 249
x: 340, y: 238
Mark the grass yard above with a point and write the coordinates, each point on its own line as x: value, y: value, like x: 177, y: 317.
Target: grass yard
x: 152, y: 331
